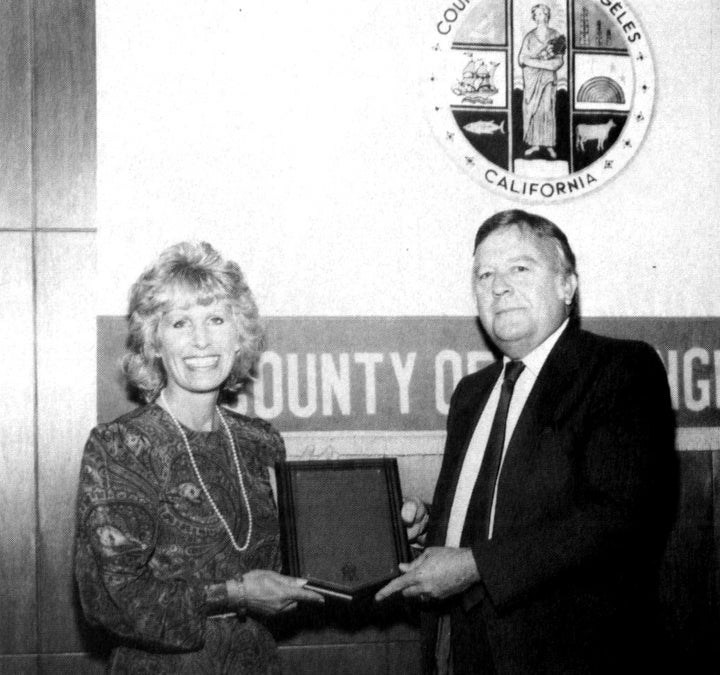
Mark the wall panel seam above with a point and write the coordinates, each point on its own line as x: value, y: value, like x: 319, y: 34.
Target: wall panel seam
x: 33, y: 262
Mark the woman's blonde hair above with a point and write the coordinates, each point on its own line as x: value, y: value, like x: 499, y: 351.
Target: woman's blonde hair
x: 197, y: 270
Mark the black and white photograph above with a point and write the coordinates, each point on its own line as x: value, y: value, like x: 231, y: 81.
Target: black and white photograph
x: 359, y: 338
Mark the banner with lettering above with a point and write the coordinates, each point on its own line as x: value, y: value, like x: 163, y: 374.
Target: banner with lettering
x: 398, y: 373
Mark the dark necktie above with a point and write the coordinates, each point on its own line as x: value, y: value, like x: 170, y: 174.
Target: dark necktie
x: 480, y: 506
x: 478, y: 514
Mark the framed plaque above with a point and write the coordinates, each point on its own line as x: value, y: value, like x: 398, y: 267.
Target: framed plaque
x: 340, y: 524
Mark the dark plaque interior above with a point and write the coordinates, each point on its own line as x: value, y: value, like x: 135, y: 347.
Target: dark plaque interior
x: 341, y: 525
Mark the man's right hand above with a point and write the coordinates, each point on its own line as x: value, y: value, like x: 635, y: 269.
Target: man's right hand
x: 438, y: 573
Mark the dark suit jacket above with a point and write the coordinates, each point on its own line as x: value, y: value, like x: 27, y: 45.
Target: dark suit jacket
x: 584, y: 502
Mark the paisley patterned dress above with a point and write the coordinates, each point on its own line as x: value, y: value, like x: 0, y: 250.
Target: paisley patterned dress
x: 149, y: 545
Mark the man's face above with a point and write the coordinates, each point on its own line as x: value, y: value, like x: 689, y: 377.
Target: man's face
x: 520, y: 290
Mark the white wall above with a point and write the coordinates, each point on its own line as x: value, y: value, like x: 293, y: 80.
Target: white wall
x: 291, y: 135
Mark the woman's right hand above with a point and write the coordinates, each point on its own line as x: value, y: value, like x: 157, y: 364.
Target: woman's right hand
x: 267, y: 592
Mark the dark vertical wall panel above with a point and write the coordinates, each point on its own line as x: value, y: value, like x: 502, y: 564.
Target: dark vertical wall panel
x: 714, y: 627
x: 70, y: 664
x: 66, y: 413
x: 18, y: 609
x: 349, y: 659
x: 15, y: 145
x: 64, y: 159
x: 64, y: 113
x: 404, y: 658
x: 17, y: 447
x: 688, y: 576
x: 18, y: 665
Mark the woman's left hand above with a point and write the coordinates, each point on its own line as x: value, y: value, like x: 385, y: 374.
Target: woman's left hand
x: 267, y: 592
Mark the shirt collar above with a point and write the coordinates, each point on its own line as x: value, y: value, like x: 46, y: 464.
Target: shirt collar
x: 535, y: 360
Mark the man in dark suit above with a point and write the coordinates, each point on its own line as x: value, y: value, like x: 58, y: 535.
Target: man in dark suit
x: 557, y: 484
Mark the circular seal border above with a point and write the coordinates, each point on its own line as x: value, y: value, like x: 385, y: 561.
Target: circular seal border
x: 445, y: 21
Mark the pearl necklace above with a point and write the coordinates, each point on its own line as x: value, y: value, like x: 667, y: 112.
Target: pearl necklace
x: 234, y: 543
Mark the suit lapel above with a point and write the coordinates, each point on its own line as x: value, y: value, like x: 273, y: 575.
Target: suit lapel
x: 460, y: 432
x: 548, y: 398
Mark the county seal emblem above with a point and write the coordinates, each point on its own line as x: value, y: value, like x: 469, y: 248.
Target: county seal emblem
x: 539, y: 101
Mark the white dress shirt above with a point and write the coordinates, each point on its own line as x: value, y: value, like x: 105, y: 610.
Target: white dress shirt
x: 473, y: 458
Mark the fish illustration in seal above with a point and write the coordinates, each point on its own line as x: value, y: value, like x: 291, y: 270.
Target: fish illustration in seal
x: 485, y: 127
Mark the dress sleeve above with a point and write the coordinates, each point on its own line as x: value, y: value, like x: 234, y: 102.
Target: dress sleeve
x: 117, y: 525
x: 273, y: 445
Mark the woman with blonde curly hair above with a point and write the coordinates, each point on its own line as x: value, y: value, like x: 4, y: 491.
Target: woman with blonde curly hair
x: 177, y: 547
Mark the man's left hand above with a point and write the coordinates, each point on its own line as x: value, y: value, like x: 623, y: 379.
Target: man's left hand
x: 415, y: 516
x: 437, y: 573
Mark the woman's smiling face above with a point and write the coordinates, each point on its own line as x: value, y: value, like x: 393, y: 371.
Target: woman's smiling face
x: 197, y: 344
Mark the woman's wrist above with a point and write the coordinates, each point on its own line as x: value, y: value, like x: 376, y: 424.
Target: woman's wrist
x: 237, y: 594
x: 216, y: 599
